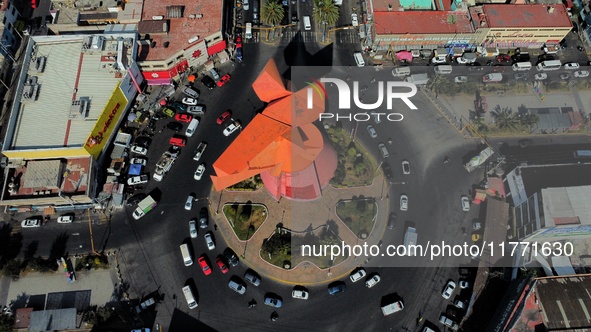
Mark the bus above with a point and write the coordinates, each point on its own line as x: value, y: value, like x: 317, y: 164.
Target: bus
x: 549, y: 65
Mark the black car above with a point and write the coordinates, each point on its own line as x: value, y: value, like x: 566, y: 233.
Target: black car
x: 203, y: 222
x: 135, y: 199
x: 143, y: 141
x: 208, y: 82
x: 546, y: 57
x: 387, y: 171
x: 231, y: 257
x: 392, y: 221
x: 174, y: 126
x: 294, y: 16
x: 520, y: 76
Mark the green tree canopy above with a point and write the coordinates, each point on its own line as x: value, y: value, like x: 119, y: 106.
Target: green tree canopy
x: 272, y: 13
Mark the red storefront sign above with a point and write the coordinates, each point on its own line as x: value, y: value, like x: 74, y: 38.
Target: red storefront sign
x: 216, y: 48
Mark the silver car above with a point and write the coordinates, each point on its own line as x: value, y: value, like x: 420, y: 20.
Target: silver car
x: 372, y: 131
x: 189, y: 202
x: 192, y: 229
x: 209, y: 241
x: 403, y: 202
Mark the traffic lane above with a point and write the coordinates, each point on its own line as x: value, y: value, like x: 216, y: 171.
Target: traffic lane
x: 74, y: 238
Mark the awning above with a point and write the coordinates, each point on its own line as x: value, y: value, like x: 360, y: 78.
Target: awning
x: 159, y: 81
x: 216, y: 48
x: 135, y: 169
x: 152, y: 75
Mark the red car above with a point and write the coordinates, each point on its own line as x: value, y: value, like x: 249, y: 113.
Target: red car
x: 183, y: 117
x: 504, y: 58
x: 177, y: 141
x: 221, y: 265
x: 204, y: 266
x: 225, y: 116
x: 224, y: 80
x: 238, y: 41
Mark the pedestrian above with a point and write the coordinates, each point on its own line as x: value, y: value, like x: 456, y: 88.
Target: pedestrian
x: 215, y: 227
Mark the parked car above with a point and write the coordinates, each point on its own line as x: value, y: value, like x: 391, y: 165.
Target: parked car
x: 299, y: 292
x: 138, y: 161
x: 581, y: 73
x: 392, y: 220
x: 540, y: 76
x: 189, y: 202
x: 225, y: 79
x: 190, y: 92
x: 387, y: 171
x: 31, y: 222
x: 142, y: 141
x: 252, y: 277
x: 294, y: 16
x: 464, y: 284
x: 138, y: 179
x: 461, y: 79
x: 449, y: 289
x: 204, y: 265
x: 373, y: 280
x: 336, y: 287
x: 405, y: 167
x: 403, y: 202
x: 357, y: 275
x: 139, y: 150
x: 465, y: 203
x: 443, y: 319
x: 192, y: 229
x: 182, y: 117
x: 225, y: 116
x: 199, y: 172
x: 354, y: 21
x: 237, y: 286
x: 273, y: 301
x: 209, y: 241
x: 174, y: 126
x: 372, y: 131
x: 460, y: 304
x: 504, y: 58
x: 189, y: 101
x: 520, y: 76
x: 65, y: 219
x: 231, y: 257
x: 571, y: 66
x: 232, y: 127
x: 208, y: 82
x: 135, y: 199
x: 222, y: 265
x: 203, y: 218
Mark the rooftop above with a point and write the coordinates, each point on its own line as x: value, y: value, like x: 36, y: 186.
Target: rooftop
x: 65, y: 88
x: 417, y: 22
x: 521, y: 15
x: 536, y: 178
x: 564, y: 301
x: 566, y: 205
x: 185, y: 20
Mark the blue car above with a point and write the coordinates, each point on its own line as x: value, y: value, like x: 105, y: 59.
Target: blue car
x: 239, y: 54
x: 336, y: 288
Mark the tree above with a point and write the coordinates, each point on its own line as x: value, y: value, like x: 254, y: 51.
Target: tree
x: 529, y: 119
x: 272, y: 13
x: 325, y: 12
x: 505, y: 118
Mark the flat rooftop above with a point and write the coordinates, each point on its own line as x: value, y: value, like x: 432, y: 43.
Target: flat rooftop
x: 564, y: 301
x: 536, y: 178
x: 566, y: 206
x: 66, y: 86
x: 185, y: 20
x: 521, y: 16
x: 422, y: 22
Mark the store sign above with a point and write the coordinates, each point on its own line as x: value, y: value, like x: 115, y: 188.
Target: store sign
x: 98, y: 138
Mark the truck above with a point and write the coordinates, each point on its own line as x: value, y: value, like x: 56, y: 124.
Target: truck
x: 479, y: 159
x: 164, y: 164
x: 410, y: 241
x: 418, y: 79
x: 143, y: 207
x: 200, y: 149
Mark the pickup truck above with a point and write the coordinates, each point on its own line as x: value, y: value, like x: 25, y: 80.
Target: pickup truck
x: 200, y: 149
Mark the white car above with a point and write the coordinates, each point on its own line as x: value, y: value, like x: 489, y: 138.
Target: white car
x: 571, y: 66
x: 199, y: 172
x: 581, y: 73
x: 192, y: 229
x: 190, y: 101
x: 464, y: 284
x: 541, y: 76
x: 31, y: 223
x: 190, y: 92
x: 138, y: 161
x: 465, y: 203
x: 189, y: 202
x: 139, y: 179
x: 232, y: 127
x: 449, y: 289
x: 65, y: 219
x: 354, y: 21
x: 403, y: 202
x: 405, y: 167
x: 139, y: 150
x: 439, y: 60
x: 461, y: 79
x: 209, y: 241
x: 374, y: 280
x: 372, y: 131
x: 358, y: 275
x: 299, y: 293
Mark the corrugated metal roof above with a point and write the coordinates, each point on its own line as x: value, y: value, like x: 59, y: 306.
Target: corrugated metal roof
x: 53, y: 320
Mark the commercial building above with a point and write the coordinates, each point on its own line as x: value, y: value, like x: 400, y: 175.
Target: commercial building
x: 12, y: 26
x: 459, y: 26
x: 71, y: 95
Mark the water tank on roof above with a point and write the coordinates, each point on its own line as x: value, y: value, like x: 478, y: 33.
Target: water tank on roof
x: 158, y: 18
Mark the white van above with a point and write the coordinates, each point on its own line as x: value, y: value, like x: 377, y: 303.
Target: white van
x: 245, y: 5
x: 401, y: 71
x: 186, y: 255
x: 190, y: 298
x: 392, y: 308
x: 418, y: 79
x: 192, y: 127
x: 307, y: 25
x: 443, y: 69
x: 521, y: 66
x: 248, y: 33
x: 359, y: 59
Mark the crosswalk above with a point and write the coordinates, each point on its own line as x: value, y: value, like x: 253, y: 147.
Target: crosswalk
x: 297, y: 36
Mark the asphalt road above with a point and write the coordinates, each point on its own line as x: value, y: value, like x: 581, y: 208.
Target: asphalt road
x: 149, y: 248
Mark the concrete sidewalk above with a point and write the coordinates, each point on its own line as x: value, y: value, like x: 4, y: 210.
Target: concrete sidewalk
x: 299, y: 216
